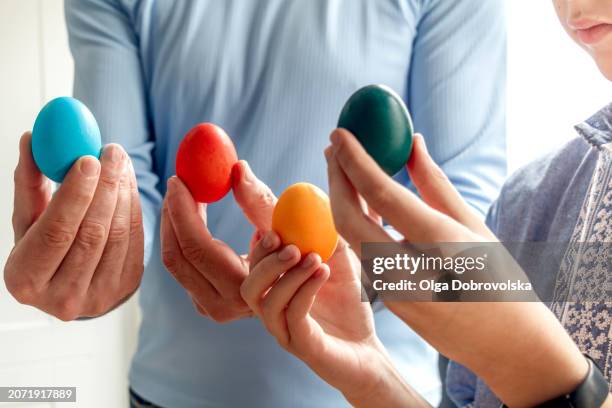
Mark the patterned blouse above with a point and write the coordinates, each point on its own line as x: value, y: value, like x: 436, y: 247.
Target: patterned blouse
x: 565, y: 201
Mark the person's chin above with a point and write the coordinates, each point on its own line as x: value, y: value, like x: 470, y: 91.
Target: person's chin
x: 603, y: 58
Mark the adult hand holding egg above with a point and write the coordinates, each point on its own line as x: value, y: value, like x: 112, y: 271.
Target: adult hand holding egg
x: 79, y: 251
x: 206, y: 267
x: 211, y: 271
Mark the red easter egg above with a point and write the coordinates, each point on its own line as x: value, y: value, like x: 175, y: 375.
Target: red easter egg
x: 204, y: 162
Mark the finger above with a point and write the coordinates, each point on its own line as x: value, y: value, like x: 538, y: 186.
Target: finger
x: 305, y: 334
x: 208, y: 301
x: 345, y: 262
x: 279, y: 296
x: 350, y: 219
x: 198, y: 307
x: 105, y: 285
x: 375, y: 216
x: 185, y: 210
x: 302, y: 302
x: 133, y: 266
x: 438, y: 192
x: 268, y: 243
x: 41, y: 250
x: 181, y: 204
x: 179, y: 267
x: 253, y: 196
x: 401, y: 208
x: 255, y: 238
x: 32, y: 189
x: 221, y: 266
x: 265, y: 273
x: 76, y: 271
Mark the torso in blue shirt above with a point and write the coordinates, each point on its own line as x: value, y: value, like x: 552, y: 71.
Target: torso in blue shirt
x: 275, y: 74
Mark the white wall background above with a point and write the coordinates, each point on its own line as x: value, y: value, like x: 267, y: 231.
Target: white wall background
x: 552, y: 83
x: 552, y: 86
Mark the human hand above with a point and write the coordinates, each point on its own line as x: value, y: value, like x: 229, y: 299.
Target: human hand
x: 493, y: 335
x: 78, y: 252
x: 206, y: 267
x: 441, y: 215
x: 320, y: 318
x: 357, y: 183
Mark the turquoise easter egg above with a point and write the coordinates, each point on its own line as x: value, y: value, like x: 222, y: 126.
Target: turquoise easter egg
x: 65, y: 130
x: 379, y: 119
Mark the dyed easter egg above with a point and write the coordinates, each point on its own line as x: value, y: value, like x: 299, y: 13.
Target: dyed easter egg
x: 378, y: 118
x: 204, y: 162
x: 302, y: 217
x: 64, y: 130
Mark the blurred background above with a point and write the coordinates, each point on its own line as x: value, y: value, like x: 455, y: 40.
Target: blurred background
x: 552, y: 86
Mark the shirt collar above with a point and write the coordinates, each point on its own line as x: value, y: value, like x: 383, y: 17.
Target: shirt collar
x: 597, y: 130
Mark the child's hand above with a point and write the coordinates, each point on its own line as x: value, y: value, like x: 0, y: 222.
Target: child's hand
x: 440, y: 215
x: 501, y: 332
x: 319, y: 317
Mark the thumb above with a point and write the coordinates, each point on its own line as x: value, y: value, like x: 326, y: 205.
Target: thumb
x: 32, y: 189
x: 344, y: 263
x: 438, y: 192
x: 253, y: 196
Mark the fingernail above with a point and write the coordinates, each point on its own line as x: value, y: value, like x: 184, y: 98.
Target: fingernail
x: 335, y: 137
x: 268, y: 240
x: 317, y: 274
x: 89, y: 166
x: 248, y: 173
x: 286, y: 253
x: 113, y: 153
x: 310, y: 260
x: 419, y: 136
x: 332, y: 135
x: 328, y: 153
x: 170, y: 184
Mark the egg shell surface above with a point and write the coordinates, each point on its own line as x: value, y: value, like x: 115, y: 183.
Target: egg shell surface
x: 204, y: 162
x: 302, y: 217
x: 64, y: 130
x: 379, y: 119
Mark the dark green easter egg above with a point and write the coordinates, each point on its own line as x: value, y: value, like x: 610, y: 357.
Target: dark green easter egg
x: 378, y: 118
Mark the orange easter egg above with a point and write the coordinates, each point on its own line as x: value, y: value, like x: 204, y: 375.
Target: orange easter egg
x: 303, y: 217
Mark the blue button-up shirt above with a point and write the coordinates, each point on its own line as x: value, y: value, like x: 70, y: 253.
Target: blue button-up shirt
x: 275, y: 75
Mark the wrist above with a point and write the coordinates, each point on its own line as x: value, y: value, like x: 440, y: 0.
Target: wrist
x: 388, y: 389
x: 591, y: 392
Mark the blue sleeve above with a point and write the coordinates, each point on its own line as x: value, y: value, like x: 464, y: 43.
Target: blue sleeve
x: 461, y: 384
x: 492, y: 219
x: 109, y: 80
x: 456, y: 93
